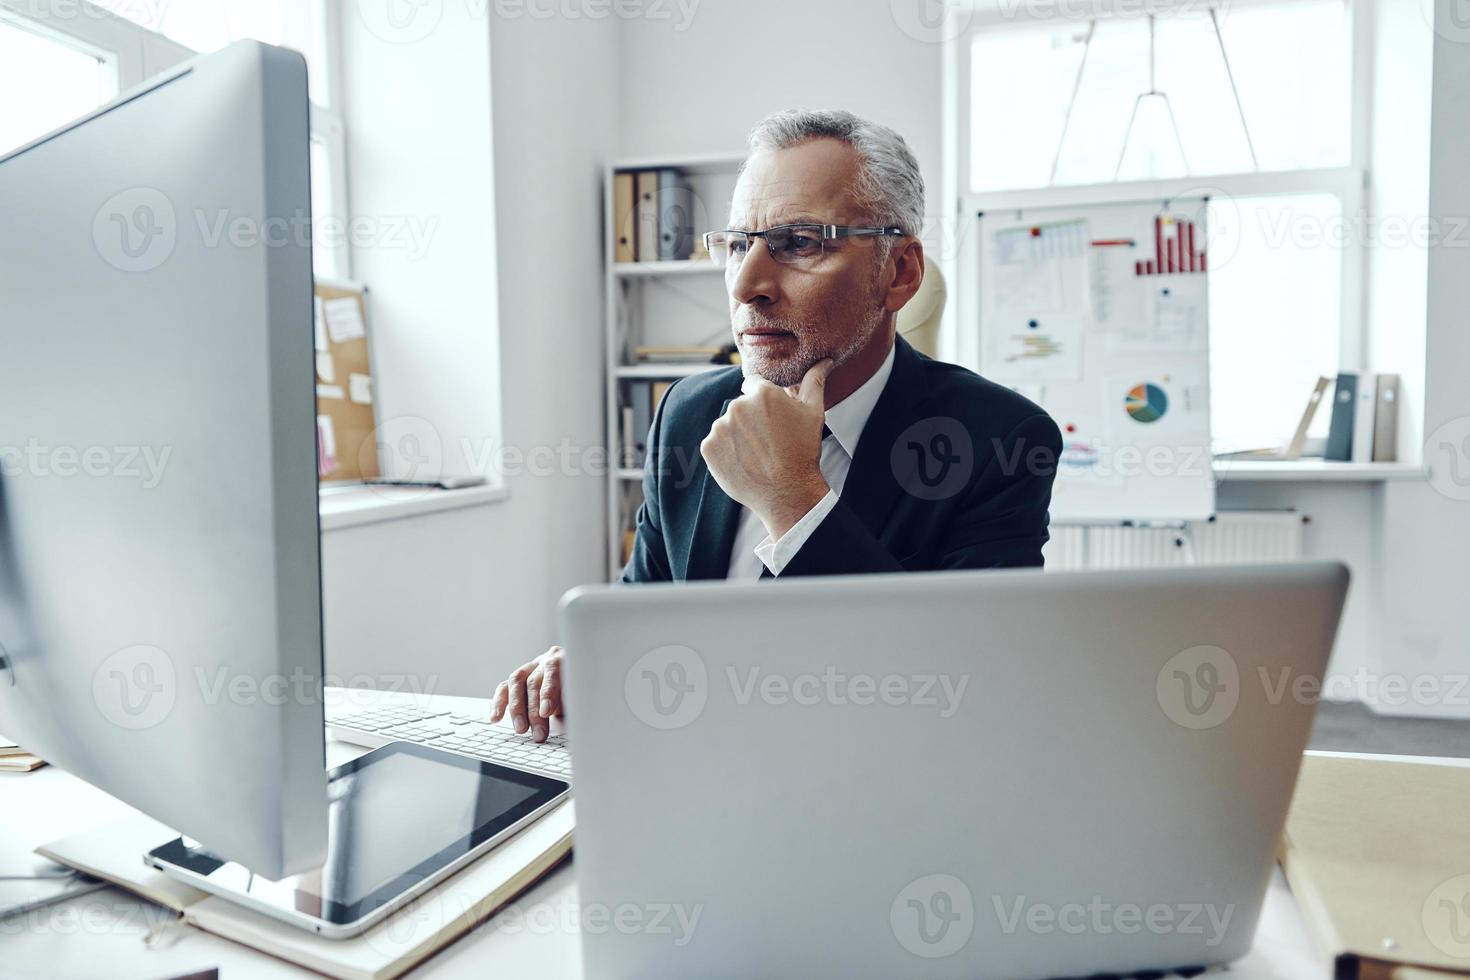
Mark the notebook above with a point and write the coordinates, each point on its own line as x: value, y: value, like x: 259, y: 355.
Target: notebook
x: 1377, y: 854
x: 389, y: 949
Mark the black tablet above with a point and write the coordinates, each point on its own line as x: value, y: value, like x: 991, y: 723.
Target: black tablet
x: 400, y: 819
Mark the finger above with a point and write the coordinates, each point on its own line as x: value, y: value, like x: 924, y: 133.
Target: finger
x: 754, y: 383
x: 814, y: 383
x: 497, y: 704
x: 519, y: 721
x: 551, y: 689
x: 539, y: 726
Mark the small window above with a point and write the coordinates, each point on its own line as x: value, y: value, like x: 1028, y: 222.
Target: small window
x: 208, y: 25
x: 1291, y: 65
x: 327, y: 252
x: 60, y: 83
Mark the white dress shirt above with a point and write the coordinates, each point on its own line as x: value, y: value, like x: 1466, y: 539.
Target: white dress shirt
x: 754, y: 548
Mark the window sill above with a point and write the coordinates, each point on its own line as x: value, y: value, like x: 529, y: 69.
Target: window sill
x: 1313, y: 471
x: 354, y: 506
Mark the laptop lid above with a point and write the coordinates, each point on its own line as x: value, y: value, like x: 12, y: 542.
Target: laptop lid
x: 1000, y: 774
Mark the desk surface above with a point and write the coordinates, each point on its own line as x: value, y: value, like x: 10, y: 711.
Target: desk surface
x: 535, y: 936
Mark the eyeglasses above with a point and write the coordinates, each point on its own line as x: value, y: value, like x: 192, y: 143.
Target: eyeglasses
x: 799, y: 245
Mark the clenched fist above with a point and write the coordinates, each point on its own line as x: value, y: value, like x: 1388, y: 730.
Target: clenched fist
x: 766, y: 449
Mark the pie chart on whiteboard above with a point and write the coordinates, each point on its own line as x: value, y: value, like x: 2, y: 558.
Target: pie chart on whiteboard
x: 1146, y: 402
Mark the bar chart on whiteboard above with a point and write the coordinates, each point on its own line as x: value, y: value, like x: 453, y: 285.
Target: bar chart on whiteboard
x: 1100, y: 314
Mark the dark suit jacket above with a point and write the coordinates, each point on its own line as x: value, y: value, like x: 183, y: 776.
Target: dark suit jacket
x: 952, y: 471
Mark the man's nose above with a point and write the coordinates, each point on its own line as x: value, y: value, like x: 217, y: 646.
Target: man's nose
x: 756, y: 278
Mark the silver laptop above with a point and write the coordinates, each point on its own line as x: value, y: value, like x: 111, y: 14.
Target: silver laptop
x: 970, y: 774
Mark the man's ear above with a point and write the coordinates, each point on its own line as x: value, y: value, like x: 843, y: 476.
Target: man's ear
x: 908, y: 272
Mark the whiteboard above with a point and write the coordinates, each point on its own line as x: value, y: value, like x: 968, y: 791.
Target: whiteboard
x: 1100, y: 314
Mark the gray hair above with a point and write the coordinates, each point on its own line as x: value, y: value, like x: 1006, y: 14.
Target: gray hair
x: 890, y: 187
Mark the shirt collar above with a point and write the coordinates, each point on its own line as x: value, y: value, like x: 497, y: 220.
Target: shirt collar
x: 849, y: 417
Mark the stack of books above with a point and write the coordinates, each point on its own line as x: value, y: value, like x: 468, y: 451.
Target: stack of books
x: 1364, y: 422
x: 1365, y: 418
x: 643, y: 401
x: 13, y: 758
x: 654, y: 217
x: 676, y: 353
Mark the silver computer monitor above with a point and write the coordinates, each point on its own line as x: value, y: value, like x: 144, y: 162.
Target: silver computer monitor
x: 160, y: 610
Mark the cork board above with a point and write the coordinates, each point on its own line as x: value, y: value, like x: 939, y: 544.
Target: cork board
x: 346, y: 420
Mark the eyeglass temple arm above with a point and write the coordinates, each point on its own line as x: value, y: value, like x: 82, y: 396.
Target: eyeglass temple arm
x: 835, y: 231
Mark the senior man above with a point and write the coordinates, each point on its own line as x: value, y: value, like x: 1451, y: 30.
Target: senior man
x: 835, y: 447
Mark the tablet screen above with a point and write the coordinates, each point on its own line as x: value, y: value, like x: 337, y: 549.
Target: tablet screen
x: 395, y: 817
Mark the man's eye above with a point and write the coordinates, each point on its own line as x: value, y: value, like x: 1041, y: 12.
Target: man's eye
x: 798, y: 244
x: 739, y: 246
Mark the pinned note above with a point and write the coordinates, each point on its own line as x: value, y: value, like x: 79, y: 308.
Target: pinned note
x: 319, y: 323
x: 344, y: 319
x: 330, y: 391
x: 326, y: 368
x: 360, y: 386
x: 326, y: 445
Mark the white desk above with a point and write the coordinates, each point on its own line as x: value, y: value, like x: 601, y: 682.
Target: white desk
x: 75, y: 939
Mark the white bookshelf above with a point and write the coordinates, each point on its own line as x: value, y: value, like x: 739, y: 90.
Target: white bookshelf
x: 657, y: 302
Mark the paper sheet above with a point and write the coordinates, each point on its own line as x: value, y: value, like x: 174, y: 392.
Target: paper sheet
x: 326, y: 445
x: 1046, y: 347
x: 1118, y: 296
x: 361, y: 388
x: 1041, y: 269
x: 330, y: 391
x: 319, y: 323
x: 344, y: 319
x: 326, y: 368
x: 1173, y: 318
x: 1157, y: 405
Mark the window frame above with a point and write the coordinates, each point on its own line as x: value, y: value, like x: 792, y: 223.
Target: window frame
x: 1348, y: 183
x: 134, y: 54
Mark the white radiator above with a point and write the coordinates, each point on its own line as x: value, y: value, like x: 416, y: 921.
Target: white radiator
x: 1232, y: 537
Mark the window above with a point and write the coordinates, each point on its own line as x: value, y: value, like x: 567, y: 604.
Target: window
x: 208, y: 25
x: 1046, y: 119
x: 1274, y: 314
x: 61, y: 82
x: 303, y: 25
x: 1290, y: 66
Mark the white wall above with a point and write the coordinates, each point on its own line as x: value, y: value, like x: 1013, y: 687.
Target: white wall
x: 701, y: 89
x: 1425, y: 528
x: 1398, y: 188
x: 458, y: 598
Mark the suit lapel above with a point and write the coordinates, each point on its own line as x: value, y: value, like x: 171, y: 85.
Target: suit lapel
x: 872, y: 486
x: 715, y: 523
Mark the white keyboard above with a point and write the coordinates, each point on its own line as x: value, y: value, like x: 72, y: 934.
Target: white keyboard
x: 474, y: 737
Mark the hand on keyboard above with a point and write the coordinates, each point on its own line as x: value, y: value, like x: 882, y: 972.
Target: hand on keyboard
x: 531, y: 695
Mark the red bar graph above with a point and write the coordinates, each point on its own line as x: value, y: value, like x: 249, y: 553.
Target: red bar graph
x: 1175, y: 249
